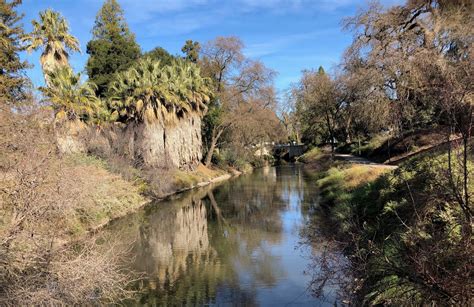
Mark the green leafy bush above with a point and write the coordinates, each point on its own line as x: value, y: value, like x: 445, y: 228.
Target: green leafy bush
x: 408, y: 232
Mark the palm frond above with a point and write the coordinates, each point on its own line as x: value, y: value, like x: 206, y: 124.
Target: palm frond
x: 173, y: 91
x: 51, y: 34
x: 73, y: 99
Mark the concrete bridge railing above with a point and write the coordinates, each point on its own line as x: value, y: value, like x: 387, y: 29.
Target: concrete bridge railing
x: 293, y: 150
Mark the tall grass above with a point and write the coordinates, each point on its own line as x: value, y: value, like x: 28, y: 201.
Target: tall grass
x: 406, y: 234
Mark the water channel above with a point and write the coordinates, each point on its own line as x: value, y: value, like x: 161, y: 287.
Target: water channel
x: 240, y: 243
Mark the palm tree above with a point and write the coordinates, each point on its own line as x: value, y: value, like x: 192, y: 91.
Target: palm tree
x: 51, y: 34
x: 73, y: 100
x: 150, y: 91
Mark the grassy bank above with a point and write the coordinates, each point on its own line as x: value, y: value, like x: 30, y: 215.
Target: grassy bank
x: 405, y: 231
x: 317, y: 160
x: 106, y: 193
x: 101, y: 195
x: 337, y: 186
x: 51, y: 206
x: 386, y: 148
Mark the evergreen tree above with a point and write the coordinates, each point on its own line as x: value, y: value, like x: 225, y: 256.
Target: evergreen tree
x: 113, y: 47
x: 160, y: 54
x: 191, y: 50
x: 12, y: 79
x: 321, y: 71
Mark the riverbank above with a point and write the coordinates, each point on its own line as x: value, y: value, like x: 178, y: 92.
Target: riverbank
x: 52, y: 208
x: 139, y: 191
x: 199, y: 242
x: 403, y: 229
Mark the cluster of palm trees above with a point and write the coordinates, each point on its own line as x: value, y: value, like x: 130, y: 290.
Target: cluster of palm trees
x: 73, y: 100
x: 146, y: 91
x: 150, y: 91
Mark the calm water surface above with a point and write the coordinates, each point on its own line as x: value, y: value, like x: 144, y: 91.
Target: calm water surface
x: 239, y: 243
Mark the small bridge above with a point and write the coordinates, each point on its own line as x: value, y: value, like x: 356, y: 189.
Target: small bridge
x: 288, y: 151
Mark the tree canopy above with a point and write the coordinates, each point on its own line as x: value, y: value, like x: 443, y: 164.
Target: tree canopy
x: 12, y: 79
x: 407, y: 68
x: 113, y: 47
x: 51, y: 33
x: 160, y: 54
x: 150, y: 91
x: 244, y: 96
x: 318, y: 105
x: 191, y: 50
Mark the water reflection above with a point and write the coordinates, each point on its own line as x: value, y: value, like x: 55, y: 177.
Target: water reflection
x: 234, y: 244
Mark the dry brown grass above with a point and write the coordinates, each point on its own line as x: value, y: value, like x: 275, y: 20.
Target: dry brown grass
x: 209, y: 172
x: 102, y: 195
x: 46, y: 198
x: 86, y: 274
x: 356, y: 175
x: 186, y: 180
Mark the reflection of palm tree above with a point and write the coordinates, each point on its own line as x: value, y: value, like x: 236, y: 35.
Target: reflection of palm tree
x: 242, y: 222
x: 175, y: 235
x: 253, y: 221
x: 173, y: 250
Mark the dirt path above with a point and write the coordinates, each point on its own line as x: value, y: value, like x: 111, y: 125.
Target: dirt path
x: 359, y: 160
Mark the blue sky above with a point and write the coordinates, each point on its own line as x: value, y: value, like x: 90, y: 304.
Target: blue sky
x: 287, y: 35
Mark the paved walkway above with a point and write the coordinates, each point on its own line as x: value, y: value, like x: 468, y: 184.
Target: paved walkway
x: 359, y: 160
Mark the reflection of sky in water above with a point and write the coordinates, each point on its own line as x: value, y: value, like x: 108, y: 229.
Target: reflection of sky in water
x: 252, y: 254
x: 292, y: 288
x: 291, y: 259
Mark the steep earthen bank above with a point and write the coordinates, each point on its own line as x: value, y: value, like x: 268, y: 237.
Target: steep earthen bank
x: 164, y: 154
x: 199, y: 178
x: 155, y: 144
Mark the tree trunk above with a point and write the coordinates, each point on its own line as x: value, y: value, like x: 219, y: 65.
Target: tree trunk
x: 217, y: 210
x: 358, y: 139
x: 210, y: 151
x: 332, y: 146
x: 331, y: 134
x: 466, y: 173
x: 214, y: 139
x: 348, y: 130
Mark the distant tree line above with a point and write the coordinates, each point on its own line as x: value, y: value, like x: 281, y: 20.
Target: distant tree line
x: 409, y: 67
x: 237, y: 93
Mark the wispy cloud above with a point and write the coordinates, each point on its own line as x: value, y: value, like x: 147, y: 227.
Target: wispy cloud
x: 180, y: 23
x: 186, y: 16
x: 273, y: 46
x: 297, y: 5
x: 144, y: 10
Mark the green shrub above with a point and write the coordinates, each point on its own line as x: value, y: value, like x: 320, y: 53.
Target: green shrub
x: 406, y: 228
x: 367, y: 148
x: 238, y: 160
x: 312, y: 155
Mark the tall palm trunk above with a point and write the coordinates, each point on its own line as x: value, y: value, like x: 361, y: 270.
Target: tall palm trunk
x: 51, y: 60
